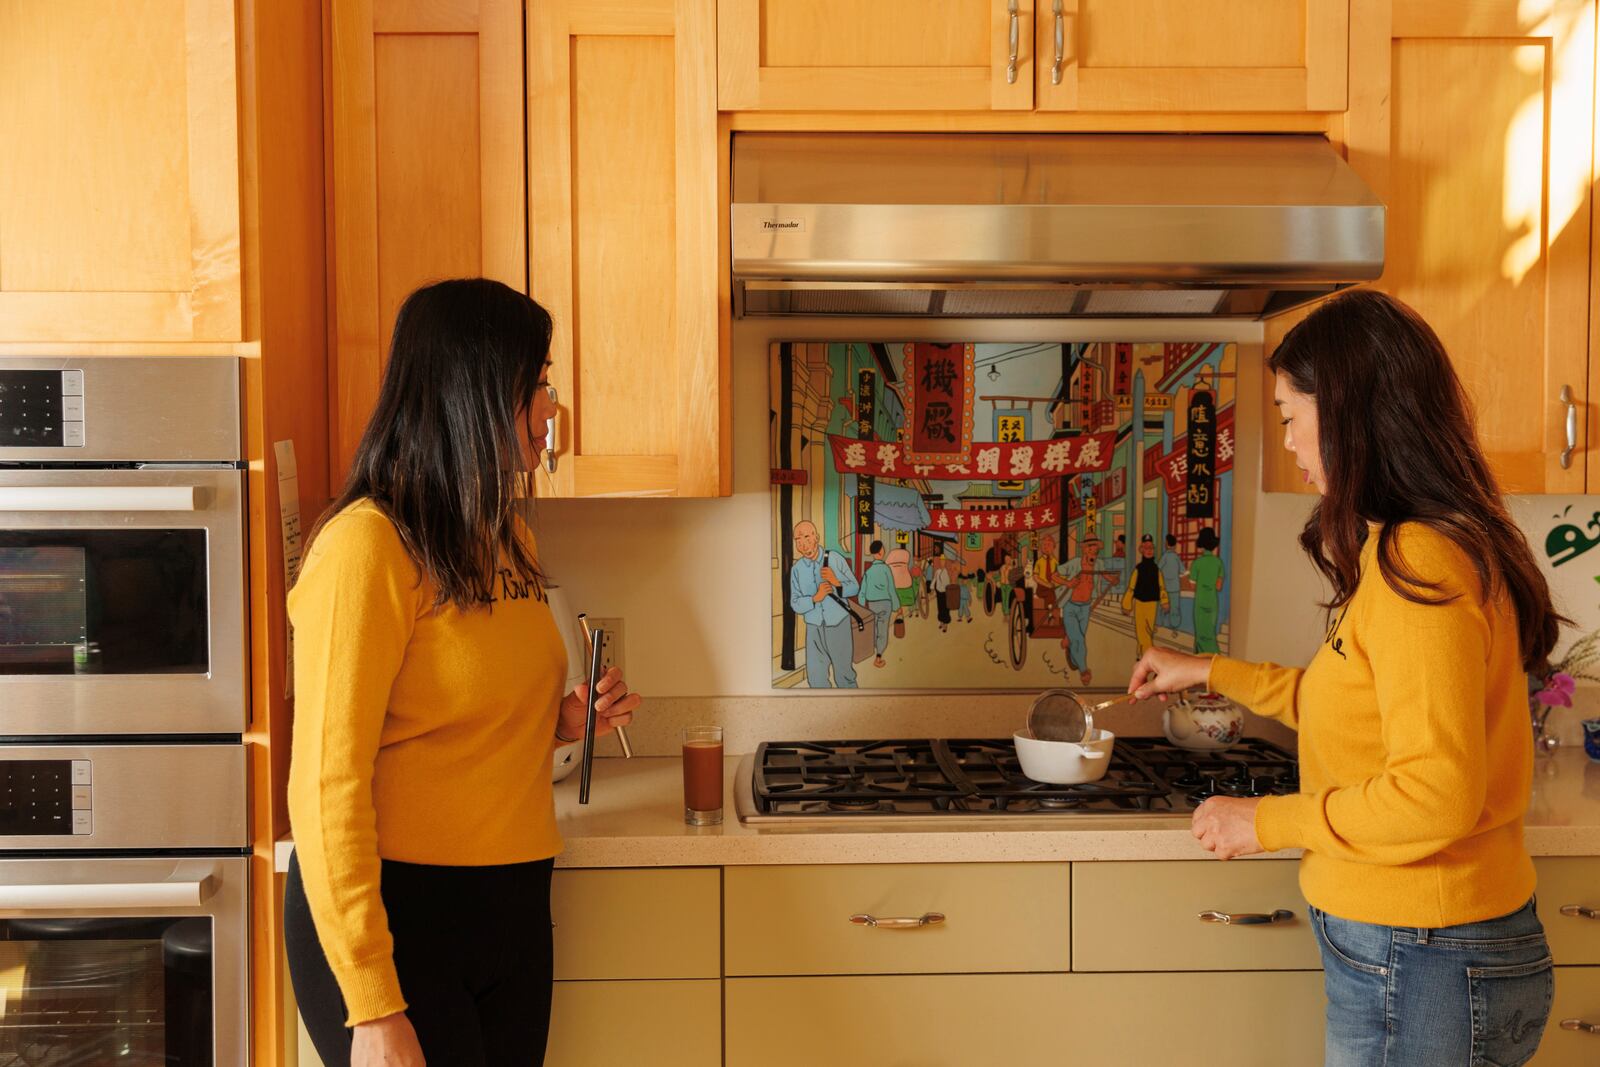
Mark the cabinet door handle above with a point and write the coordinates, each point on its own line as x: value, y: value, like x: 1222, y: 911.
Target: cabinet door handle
x: 1578, y: 911
x: 1282, y: 915
x: 1016, y: 38
x: 1572, y: 426
x: 1580, y: 1026
x: 550, y: 439
x: 1061, y: 45
x: 932, y: 918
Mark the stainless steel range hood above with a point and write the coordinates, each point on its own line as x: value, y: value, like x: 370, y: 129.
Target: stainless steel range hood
x: 1045, y: 225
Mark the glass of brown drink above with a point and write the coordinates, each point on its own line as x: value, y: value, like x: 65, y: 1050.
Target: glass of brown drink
x: 702, y: 775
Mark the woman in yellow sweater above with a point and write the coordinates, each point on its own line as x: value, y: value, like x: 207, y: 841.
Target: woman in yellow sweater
x: 428, y: 683
x: 1415, y: 752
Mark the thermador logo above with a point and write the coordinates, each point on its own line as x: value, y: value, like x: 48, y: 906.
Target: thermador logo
x: 783, y: 224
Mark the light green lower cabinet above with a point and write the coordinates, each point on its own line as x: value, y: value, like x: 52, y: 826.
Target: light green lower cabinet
x: 1577, y: 997
x: 958, y: 1020
x: 661, y: 1023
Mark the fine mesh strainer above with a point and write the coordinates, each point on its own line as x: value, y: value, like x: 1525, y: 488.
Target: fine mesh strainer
x: 1061, y: 715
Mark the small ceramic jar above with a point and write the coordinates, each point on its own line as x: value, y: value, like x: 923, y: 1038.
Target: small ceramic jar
x: 1209, y: 722
x: 1591, y: 738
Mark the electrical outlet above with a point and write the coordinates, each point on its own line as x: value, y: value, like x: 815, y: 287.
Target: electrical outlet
x: 611, y: 652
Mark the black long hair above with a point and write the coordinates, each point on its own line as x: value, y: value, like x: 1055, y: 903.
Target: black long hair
x: 442, y: 454
x: 1397, y: 445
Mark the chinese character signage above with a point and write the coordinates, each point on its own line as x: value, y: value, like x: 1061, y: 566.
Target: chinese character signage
x: 998, y: 515
x: 939, y: 387
x: 1201, y: 476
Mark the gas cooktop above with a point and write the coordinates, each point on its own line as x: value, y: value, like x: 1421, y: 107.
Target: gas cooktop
x: 963, y: 777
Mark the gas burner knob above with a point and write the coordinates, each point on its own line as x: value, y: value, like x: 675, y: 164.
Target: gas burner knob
x: 1189, y: 779
x: 1263, y: 786
x: 1240, y: 775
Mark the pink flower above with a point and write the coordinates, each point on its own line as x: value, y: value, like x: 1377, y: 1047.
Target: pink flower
x: 1557, y: 691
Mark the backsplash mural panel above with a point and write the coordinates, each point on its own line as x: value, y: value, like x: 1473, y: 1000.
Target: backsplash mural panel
x: 981, y: 516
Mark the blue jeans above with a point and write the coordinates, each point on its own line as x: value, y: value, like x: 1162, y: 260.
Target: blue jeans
x: 1398, y: 996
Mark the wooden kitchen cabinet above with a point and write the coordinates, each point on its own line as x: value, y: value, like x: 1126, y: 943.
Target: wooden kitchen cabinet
x: 1474, y: 124
x: 623, y: 192
x: 1192, y: 1020
x: 957, y: 55
x: 996, y: 917
x: 426, y: 178
x: 124, y: 222
x: 1577, y: 998
x: 656, y: 922
x: 1570, y: 881
x: 1163, y: 902
x: 663, y: 1024
x: 811, y: 55
x: 1191, y: 55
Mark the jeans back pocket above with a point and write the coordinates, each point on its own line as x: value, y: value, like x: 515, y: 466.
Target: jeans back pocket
x: 1510, y: 1006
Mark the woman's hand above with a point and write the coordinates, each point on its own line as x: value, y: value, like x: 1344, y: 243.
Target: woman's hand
x: 614, y: 706
x: 387, y: 1042
x: 1163, y: 670
x: 1227, y: 826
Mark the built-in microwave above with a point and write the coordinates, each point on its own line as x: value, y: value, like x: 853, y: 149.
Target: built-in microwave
x: 122, y: 547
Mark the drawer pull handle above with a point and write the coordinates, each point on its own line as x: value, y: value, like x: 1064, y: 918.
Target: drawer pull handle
x: 1578, y: 911
x: 1011, y: 61
x: 1282, y: 915
x: 931, y: 918
x: 1580, y: 1026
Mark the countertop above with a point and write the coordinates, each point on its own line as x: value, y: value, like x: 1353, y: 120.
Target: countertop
x: 634, y: 818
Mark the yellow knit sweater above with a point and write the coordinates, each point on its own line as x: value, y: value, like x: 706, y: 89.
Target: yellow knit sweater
x: 420, y: 734
x: 1415, y: 754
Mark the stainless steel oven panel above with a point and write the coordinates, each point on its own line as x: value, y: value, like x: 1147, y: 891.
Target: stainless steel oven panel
x: 215, y: 888
x: 133, y: 796
x: 82, y: 500
x: 156, y: 409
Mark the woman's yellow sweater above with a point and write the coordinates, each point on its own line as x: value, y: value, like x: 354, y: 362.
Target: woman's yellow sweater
x: 1416, y: 757
x: 421, y: 734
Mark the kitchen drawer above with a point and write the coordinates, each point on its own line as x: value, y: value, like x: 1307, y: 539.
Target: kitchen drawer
x: 1577, y: 997
x: 663, y: 1024
x: 1145, y: 917
x: 644, y: 923
x: 796, y: 920
x: 1242, y: 1020
x: 1566, y: 881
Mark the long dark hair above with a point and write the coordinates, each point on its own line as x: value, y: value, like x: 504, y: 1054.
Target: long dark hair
x: 442, y: 453
x: 1397, y: 445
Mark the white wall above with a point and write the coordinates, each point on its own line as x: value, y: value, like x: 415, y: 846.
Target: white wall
x: 692, y: 578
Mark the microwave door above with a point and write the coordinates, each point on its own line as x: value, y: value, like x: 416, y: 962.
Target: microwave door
x: 122, y: 602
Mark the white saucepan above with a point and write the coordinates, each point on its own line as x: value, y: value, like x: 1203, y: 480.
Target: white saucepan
x: 1064, y: 762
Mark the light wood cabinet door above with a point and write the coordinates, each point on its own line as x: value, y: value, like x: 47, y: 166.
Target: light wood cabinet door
x: 426, y: 180
x: 1474, y: 124
x: 958, y: 1020
x: 889, y: 55
x: 645, y: 923
x: 119, y: 194
x: 1191, y: 55
x: 1577, y: 1002
x: 797, y: 920
x: 1570, y: 882
x: 1145, y: 916
x: 623, y: 187
x: 663, y: 1024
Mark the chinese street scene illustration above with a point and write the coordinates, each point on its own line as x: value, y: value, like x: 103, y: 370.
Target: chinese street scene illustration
x: 980, y: 516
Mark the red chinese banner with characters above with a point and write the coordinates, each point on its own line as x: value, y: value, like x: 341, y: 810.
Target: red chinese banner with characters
x: 938, y: 381
x: 998, y: 521
x: 993, y: 463
x: 1173, y: 467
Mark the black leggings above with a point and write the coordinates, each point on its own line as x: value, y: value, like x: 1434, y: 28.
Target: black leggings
x: 472, y: 945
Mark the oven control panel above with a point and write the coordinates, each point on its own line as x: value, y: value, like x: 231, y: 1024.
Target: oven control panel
x: 46, y: 798
x: 41, y: 409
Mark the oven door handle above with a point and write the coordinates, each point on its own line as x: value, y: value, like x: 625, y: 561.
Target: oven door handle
x: 190, y: 893
x: 99, y: 497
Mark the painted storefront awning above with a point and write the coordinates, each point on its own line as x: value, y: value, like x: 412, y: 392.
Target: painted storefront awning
x: 989, y: 462
x: 898, y: 508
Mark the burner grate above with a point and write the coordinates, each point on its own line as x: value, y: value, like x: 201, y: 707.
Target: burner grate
x: 983, y: 777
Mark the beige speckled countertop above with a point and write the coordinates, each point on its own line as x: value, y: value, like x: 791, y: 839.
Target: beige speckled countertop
x: 635, y: 819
